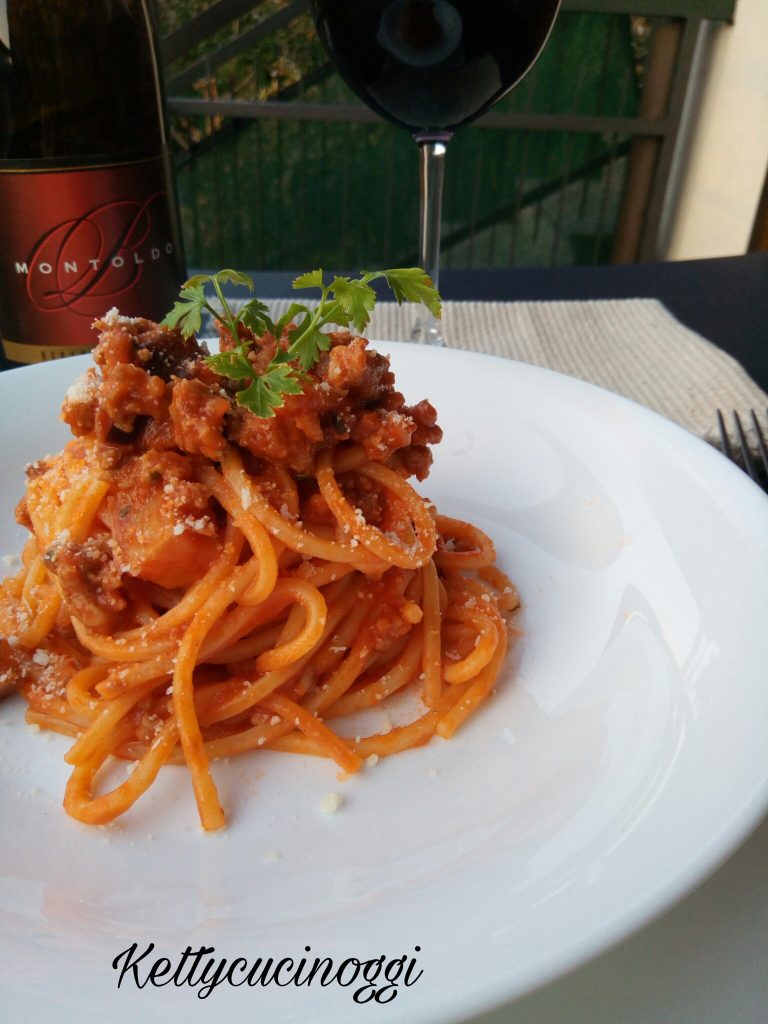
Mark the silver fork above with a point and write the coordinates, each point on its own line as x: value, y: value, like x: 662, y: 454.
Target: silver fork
x: 752, y: 460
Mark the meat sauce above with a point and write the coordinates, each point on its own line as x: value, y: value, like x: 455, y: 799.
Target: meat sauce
x: 156, y: 391
x: 159, y: 410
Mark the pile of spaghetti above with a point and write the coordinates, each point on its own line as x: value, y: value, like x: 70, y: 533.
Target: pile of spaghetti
x: 200, y: 582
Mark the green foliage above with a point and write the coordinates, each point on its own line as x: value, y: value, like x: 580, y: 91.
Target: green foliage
x: 279, y: 195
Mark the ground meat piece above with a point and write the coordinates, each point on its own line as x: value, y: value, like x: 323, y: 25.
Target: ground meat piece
x: 10, y: 674
x: 35, y: 469
x: 387, y: 622
x: 45, y: 672
x: 156, y: 435
x: 381, y: 433
x: 294, y: 434
x: 21, y: 514
x: 167, y: 353
x: 424, y: 415
x: 415, y: 461
x: 115, y: 345
x: 161, y: 351
x: 138, y: 358
x: 93, y: 406
x: 153, y: 470
x: 90, y: 579
x: 197, y: 413
x: 344, y: 364
x: 364, y: 494
x: 279, y: 439
x: 352, y: 366
x: 81, y: 402
x: 416, y: 458
x: 128, y: 392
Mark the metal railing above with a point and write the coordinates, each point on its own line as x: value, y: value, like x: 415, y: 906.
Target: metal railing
x: 600, y: 163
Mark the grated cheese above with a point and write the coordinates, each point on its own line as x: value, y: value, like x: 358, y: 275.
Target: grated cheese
x: 331, y: 803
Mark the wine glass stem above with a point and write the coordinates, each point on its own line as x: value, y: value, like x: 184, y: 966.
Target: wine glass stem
x: 432, y: 149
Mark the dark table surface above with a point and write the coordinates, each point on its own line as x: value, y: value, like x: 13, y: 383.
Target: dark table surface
x: 725, y: 300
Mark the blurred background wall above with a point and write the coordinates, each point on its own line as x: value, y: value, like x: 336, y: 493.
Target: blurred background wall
x: 724, y: 167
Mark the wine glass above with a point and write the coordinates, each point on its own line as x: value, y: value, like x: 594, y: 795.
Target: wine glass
x: 432, y: 66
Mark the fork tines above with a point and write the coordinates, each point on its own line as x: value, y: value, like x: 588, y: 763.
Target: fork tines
x: 753, y: 459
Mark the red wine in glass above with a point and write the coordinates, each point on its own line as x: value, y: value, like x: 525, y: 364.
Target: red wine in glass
x: 432, y: 66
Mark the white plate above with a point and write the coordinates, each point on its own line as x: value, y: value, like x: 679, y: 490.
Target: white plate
x: 621, y: 760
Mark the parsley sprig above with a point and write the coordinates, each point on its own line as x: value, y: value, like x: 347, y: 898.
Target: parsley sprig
x: 344, y: 301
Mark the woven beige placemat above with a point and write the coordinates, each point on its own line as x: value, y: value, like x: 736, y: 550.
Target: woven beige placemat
x: 634, y: 347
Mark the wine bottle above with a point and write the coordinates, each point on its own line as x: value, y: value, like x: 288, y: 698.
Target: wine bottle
x: 88, y: 214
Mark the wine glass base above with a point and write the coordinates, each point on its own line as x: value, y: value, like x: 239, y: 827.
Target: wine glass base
x: 427, y: 332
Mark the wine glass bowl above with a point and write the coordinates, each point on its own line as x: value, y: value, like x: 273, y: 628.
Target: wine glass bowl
x: 432, y: 66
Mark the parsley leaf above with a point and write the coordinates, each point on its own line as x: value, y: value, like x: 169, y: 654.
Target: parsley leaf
x: 345, y: 301
x: 233, y: 364
x: 356, y: 299
x: 255, y: 315
x: 288, y: 317
x: 187, y: 313
x: 313, y: 279
x: 265, y: 392
x: 307, y: 347
x: 411, y: 284
x: 235, y: 277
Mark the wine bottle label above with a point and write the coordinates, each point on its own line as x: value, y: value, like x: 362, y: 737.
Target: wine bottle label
x: 76, y: 241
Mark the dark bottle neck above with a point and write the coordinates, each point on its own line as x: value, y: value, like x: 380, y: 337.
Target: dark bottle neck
x: 79, y: 79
